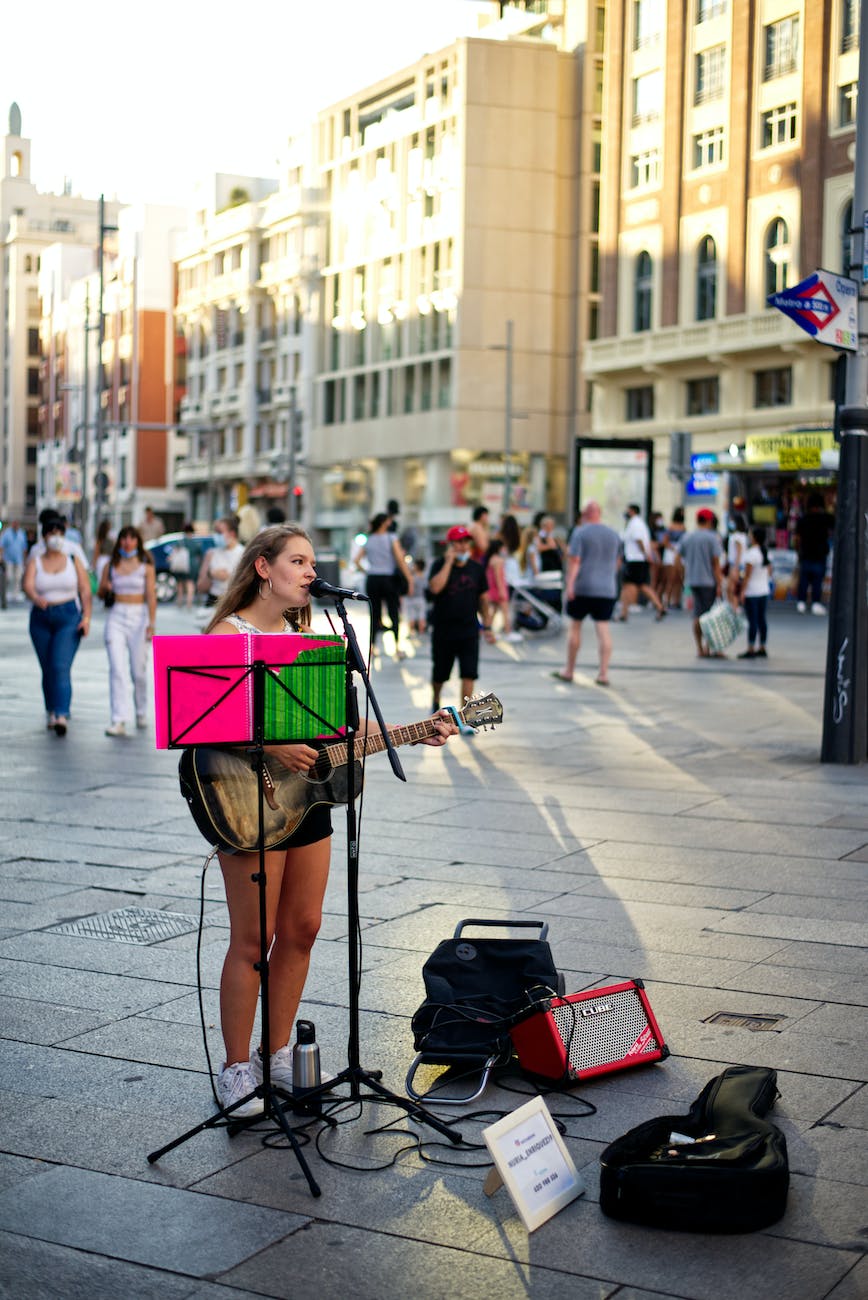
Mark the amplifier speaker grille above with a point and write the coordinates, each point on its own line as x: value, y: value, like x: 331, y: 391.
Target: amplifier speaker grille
x: 590, y: 1033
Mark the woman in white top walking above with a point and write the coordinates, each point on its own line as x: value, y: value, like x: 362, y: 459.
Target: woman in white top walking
x: 129, y: 626
x: 58, y: 586
x: 755, y: 594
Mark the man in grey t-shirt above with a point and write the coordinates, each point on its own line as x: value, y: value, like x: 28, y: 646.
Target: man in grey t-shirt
x: 699, y: 555
x: 593, y: 557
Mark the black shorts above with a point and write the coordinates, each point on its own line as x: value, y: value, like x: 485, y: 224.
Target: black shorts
x: 703, y: 599
x: 599, y: 607
x: 445, y: 649
x: 637, y: 572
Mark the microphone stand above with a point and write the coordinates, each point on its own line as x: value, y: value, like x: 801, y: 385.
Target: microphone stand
x: 354, y: 1074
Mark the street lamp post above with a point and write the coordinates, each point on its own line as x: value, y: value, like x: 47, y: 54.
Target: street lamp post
x: 845, y: 708
x: 99, y: 481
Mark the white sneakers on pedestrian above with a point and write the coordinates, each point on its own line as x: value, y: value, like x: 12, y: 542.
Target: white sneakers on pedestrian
x: 233, y: 1083
x: 801, y: 607
x: 817, y: 608
x: 513, y: 637
x: 116, y: 729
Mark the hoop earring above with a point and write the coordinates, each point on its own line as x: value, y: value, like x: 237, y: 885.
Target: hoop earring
x: 262, y: 594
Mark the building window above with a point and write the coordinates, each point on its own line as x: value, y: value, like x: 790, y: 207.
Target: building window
x: 32, y: 382
x: 328, y: 404
x: 779, y: 125
x: 777, y: 257
x: 647, y: 97
x: 708, y: 148
x: 647, y: 23
x: 639, y: 402
x: 706, y: 280
x: 708, y: 9
x: 593, y: 320
x: 847, y: 220
x: 773, y: 387
x: 849, y: 25
x: 645, y: 169
x: 594, y: 268
x: 409, y: 389
x: 444, y: 384
x: 642, y: 293
x: 703, y: 395
x: 33, y: 341
x: 710, y: 66
x: 782, y: 47
x: 848, y: 97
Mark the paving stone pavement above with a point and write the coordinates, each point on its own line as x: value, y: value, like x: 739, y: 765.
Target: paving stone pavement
x: 678, y: 827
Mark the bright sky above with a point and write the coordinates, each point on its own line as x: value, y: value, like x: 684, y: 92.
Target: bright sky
x: 144, y: 99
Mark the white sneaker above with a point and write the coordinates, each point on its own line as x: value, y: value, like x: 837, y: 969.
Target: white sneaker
x: 141, y: 721
x: 281, y: 1068
x: 233, y: 1083
x: 817, y: 608
x: 801, y: 607
x: 116, y: 729
x: 514, y: 637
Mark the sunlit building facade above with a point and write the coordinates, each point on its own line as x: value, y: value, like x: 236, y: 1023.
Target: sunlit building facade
x: 727, y: 175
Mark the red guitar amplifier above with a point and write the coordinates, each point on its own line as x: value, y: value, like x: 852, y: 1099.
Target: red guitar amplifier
x: 586, y: 1034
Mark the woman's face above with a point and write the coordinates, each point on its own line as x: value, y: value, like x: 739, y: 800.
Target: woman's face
x: 54, y: 540
x: 292, y: 572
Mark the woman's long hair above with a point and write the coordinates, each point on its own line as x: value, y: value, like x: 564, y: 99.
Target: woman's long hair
x: 758, y: 533
x: 244, y: 584
x: 129, y: 530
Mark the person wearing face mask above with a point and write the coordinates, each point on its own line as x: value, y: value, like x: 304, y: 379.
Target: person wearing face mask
x: 129, y: 626
x: 220, y: 562
x: 59, y: 588
x: 458, y: 588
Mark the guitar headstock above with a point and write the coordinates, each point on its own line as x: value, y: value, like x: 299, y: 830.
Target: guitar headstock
x: 482, y: 711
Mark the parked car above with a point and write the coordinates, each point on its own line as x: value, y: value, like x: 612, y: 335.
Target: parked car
x: 162, y: 547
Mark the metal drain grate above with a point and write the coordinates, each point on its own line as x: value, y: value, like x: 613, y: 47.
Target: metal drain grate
x: 129, y: 925
x: 744, y: 1020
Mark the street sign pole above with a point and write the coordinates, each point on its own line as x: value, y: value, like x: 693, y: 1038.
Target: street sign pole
x: 845, y: 706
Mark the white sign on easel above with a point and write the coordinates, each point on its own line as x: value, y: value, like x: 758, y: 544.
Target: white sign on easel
x: 531, y: 1160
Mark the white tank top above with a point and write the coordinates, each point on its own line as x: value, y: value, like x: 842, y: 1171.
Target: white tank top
x: 57, y: 588
x: 129, y: 584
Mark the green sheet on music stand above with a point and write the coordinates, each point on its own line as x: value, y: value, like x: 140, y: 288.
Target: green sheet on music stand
x: 308, y: 697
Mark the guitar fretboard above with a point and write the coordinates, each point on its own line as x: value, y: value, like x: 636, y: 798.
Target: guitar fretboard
x: 336, y: 754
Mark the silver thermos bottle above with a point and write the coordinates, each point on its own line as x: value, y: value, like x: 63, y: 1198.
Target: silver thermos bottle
x: 305, y: 1059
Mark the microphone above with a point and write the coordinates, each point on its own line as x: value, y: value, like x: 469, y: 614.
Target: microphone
x: 322, y: 589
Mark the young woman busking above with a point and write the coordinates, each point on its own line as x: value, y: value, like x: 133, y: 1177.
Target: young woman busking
x: 269, y: 592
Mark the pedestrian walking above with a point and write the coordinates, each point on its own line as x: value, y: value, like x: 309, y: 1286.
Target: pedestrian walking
x: 813, y: 534
x: 219, y: 562
x: 458, y: 589
x: 270, y: 592
x: 151, y: 526
x: 480, y: 531
x: 181, y: 565
x: 638, y: 555
x: 14, y: 546
x: 755, y: 593
x: 130, y: 580
x: 699, y: 554
x: 736, y: 549
x: 389, y: 578
x: 414, y: 609
x: 57, y: 584
x: 102, y: 548
x: 593, y: 560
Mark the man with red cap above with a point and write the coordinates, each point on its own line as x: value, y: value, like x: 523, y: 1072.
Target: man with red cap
x: 458, y: 587
x: 699, y: 555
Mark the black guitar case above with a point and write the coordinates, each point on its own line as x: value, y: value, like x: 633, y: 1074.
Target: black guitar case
x: 720, y: 1168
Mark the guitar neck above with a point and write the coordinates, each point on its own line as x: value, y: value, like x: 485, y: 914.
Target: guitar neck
x: 375, y: 743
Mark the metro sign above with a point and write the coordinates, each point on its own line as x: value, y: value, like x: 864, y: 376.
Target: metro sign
x: 817, y: 302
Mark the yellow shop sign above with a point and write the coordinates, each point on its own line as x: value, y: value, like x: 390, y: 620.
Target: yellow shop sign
x: 789, y: 450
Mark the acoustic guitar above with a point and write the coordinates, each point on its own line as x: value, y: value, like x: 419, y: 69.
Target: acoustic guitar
x: 222, y: 788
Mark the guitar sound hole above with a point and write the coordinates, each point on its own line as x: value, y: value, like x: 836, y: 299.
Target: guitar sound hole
x: 320, y: 771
